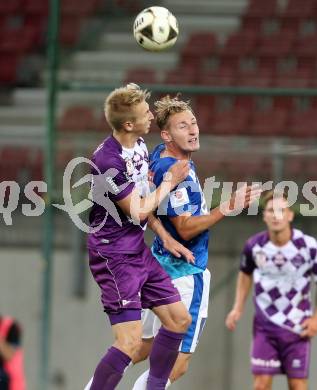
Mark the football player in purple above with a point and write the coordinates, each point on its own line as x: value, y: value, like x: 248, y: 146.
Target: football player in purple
x: 129, y: 276
x: 280, y: 263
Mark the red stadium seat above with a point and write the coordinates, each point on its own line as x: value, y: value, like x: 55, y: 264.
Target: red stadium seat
x: 131, y: 6
x: 299, y: 9
x: 69, y: 31
x: 203, y: 107
x: 284, y: 103
x: 36, y: 7
x: 79, y: 8
x: 198, y: 47
x: 268, y: 123
x: 231, y: 122
x: 224, y: 76
x: 141, y: 75
x: 261, y: 9
x: 8, y: 69
x: 101, y: 125
x: 10, y: 7
x: 77, y: 118
x: 291, y: 24
x: 305, y: 46
x: 245, y: 102
x: 276, y: 45
x: 239, y: 44
x: 15, y: 160
x: 183, y: 75
x: 255, y: 77
x: 294, y: 78
x: 303, y: 124
x: 18, y: 41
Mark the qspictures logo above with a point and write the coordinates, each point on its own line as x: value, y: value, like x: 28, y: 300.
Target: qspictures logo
x: 104, y: 187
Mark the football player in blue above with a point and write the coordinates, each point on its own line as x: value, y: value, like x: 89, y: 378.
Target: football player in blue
x: 185, y: 215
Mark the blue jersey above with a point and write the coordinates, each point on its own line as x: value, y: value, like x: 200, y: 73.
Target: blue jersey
x: 187, y: 197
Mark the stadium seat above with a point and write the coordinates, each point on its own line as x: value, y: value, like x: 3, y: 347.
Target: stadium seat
x: 276, y: 45
x: 203, y: 107
x: 262, y: 9
x: 182, y: 75
x: 19, y: 41
x: 141, y: 75
x: 131, y: 6
x: 284, y: 103
x: 268, y: 122
x: 245, y: 102
x: 36, y: 7
x: 305, y: 46
x: 231, y: 122
x: 198, y: 47
x: 257, y: 12
x: 69, y: 31
x: 290, y: 24
x: 77, y: 118
x: 222, y: 76
x: 299, y: 9
x: 8, y: 69
x: 10, y: 7
x: 294, y: 78
x: 16, y: 160
x: 239, y: 44
x: 79, y: 8
x: 255, y: 77
x: 101, y: 125
x: 303, y: 124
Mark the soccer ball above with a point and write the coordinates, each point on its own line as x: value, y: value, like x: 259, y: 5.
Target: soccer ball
x: 155, y: 29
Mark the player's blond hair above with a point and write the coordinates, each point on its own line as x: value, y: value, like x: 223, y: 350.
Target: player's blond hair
x: 167, y: 106
x: 120, y: 103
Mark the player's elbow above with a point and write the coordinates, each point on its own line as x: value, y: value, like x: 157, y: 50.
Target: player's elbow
x: 185, y: 234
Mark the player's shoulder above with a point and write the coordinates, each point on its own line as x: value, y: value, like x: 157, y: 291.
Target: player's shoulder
x: 158, y: 163
x: 301, y: 239
x: 109, y: 154
x: 259, y: 239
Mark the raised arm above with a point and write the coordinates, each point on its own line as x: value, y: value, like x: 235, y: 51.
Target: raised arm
x: 244, y: 283
x: 139, y: 208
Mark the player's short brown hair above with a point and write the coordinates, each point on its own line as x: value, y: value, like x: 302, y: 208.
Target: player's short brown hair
x: 167, y: 106
x: 270, y: 195
x: 120, y: 102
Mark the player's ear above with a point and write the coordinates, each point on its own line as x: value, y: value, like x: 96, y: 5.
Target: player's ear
x: 165, y: 135
x: 127, y: 126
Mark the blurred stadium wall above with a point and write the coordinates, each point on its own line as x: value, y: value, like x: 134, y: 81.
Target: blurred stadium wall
x: 249, y: 68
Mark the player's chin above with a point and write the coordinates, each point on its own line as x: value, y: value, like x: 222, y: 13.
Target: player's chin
x: 195, y: 147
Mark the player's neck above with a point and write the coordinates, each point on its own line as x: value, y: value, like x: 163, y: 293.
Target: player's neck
x: 171, y: 151
x: 126, y: 139
x: 281, y: 238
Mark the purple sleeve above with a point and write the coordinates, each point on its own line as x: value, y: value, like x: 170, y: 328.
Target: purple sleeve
x: 113, y: 178
x: 247, y: 264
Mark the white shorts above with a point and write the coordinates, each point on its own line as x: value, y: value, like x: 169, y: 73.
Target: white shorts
x: 194, y: 291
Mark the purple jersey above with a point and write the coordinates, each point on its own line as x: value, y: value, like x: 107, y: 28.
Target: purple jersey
x: 282, y: 277
x: 120, y: 171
